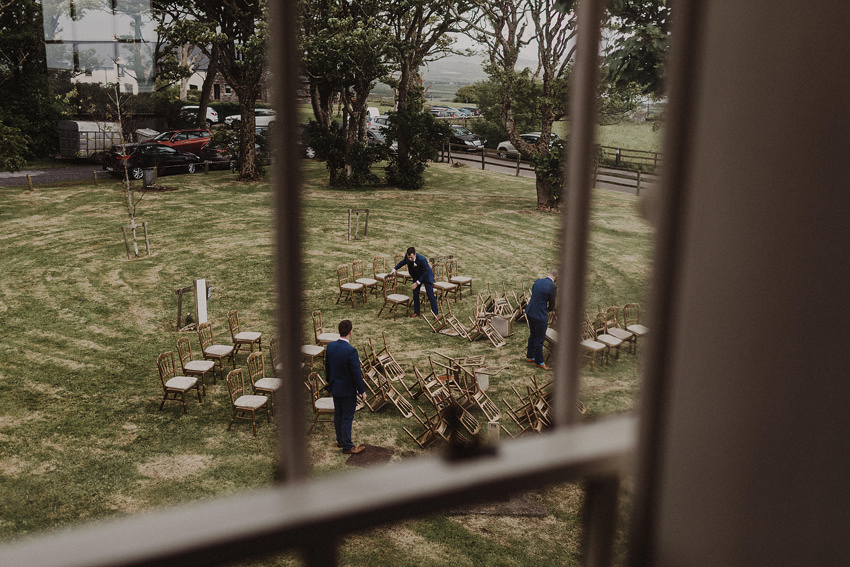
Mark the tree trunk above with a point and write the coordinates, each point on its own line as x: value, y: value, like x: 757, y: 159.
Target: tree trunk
x: 206, y: 89
x: 545, y: 194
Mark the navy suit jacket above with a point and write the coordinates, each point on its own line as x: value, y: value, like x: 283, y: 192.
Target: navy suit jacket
x: 342, y: 370
x: 419, y: 269
x: 542, y: 300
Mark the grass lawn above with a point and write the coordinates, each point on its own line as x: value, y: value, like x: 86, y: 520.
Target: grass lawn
x: 81, y: 434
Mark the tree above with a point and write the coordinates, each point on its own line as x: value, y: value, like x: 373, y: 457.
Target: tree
x: 344, y: 54
x: 637, y: 51
x: 466, y: 94
x: 506, y: 27
x: 420, y: 31
x: 234, y: 34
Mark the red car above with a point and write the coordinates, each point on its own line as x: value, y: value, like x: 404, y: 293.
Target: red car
x: 189, y: 140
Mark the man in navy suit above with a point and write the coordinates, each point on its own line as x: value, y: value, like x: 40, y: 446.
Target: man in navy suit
x: 345, y: 383
x: 543, y: 294
x: 420, y: 272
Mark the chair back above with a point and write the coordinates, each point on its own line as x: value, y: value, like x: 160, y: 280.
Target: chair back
x: 184, y: 349
x: 357, y: 269
x: 451, y: 268
x: 587, y: 331
x: 439, y: 270
x: 631, y: 314
x: 205, y: 335
x: 315, y: 383
x: 378, y: 265
x: 273, y: 352
x: 317, y: 324
x: 612, y: 317
x: 342, y: 274
x: 235, y: 385
x: 388, y: 287
x: 600, y: 324
x: 233, y: 323
x: 256, y: 366
x: 165, y: 364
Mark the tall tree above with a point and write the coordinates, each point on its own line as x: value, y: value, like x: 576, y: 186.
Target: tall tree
x: 637, y: 50
x: 344, y: 54
x: 419, y: 33
x: 506, y: 27
x: 233, y: 33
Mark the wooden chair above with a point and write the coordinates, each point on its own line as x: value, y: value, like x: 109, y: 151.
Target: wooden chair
x: 191, y: 367
x: 456, y: 278
x: 599, y: 327
x: 310, y: 352
x: 323, y: 337
x: 357, y: 273
x: 174, y: 387
x: 612, y: 327
x: 443, y: 288
x: 348, y: 288
x: 393, y: 299
x: 242, y: 338
x: 590, y: 345
x: 631, y: 321
x: 274, y: 355
x: 212, y: 351
x: 550, y: 341
x: 261, y: 384
x: 402, y: 273
x: 379, y: 268
x: 245, y: 406
x: 323, y: 406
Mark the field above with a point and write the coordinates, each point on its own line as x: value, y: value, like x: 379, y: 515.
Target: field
x: 81, y: 433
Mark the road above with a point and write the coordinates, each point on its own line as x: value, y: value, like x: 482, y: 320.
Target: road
x: 607, y: 178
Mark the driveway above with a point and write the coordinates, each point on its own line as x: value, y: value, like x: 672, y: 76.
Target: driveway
x: 50, y: 175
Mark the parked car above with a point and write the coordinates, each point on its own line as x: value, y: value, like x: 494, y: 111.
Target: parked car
x: 188, y: 113
x: 218, y: 156
x: 472, y: 110
x: 375, y: 137
x: 149, y: 155
x: 383, y: 121
x: 506, y: 148
x: 189, y: 140
x: 463, y: 136
x: 262, y: 117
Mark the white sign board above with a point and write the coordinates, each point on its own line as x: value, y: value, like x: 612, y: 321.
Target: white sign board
x: 201, y: 301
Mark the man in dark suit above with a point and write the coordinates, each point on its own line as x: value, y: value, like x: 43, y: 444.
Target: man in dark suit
x: 345, y: 383
x: 543, y: 294
x: 420, y: 272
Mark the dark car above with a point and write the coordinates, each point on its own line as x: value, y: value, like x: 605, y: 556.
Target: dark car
x: 149, y: 155
x: 189, y: 140
x: 217, y: 156
x: 465, y: 139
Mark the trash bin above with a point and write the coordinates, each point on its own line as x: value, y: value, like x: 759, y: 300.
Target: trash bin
x: 149, y: 177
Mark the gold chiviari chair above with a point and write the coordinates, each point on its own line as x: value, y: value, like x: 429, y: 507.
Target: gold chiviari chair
x: 212, y: 351
x: 245, y: 406
x: 174, y: 387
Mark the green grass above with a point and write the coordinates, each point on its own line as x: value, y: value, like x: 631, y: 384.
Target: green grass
x: 80, y: 431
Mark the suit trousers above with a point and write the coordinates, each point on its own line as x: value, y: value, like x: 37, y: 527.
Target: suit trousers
x: 344, y: 408
x: 429, y: 290
x: 537, y: 328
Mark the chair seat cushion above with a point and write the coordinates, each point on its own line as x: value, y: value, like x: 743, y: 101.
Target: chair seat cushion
x: 381, y: 276
x: 397, y: 298
x: 444, y: 285
x: 250, y: 401
x: 312, y: 350
x: 638, y: 329
x: 552, y: 335
x: 248, y: 336
x: 324, y: 404
x: 268, y: 384
x: 403, y: 273
x: 621, y: 334
x: 366, y: 281
x: 327, y: 337
x: 609, y: 340
x: 592, y: 345
x: 218, y: 350
x: 199, y: 366
x: 460, y: 279
x: 351, y: 286
x: 181, y: 383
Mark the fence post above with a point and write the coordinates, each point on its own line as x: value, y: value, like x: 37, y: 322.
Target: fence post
x: 482, y: 159
x: 637, y: 191
x: 617, y: 158
x: 517, y: 166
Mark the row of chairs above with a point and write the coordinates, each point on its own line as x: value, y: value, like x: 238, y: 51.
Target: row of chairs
x: 604, y: 332
x: 354, y: 282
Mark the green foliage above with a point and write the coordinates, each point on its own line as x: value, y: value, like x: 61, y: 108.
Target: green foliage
x: 466, y: 94
x: 13, y: 148
x: 638, y: 49
x: 422, y: 135
x: 351, y: 170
